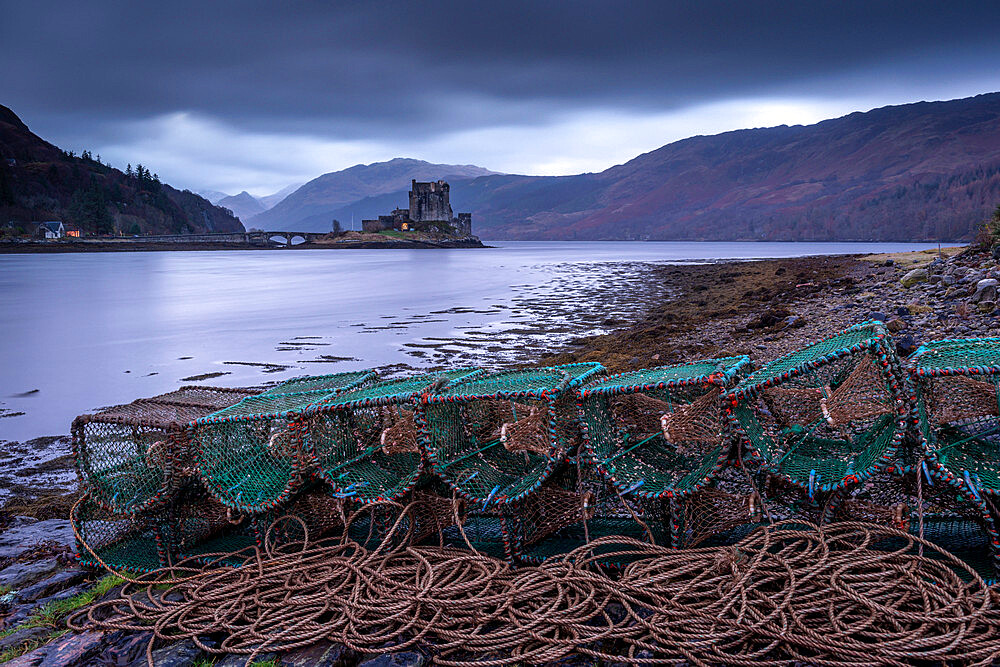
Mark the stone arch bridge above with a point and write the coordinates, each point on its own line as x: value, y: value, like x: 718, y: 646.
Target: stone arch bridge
x: 254, y: 238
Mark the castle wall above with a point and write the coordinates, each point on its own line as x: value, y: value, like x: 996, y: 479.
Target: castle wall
x: 463, y: 224
x: 430, y: 210
x: 429, y: 202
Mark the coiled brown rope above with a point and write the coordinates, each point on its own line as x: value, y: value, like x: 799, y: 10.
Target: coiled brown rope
x: 841, y: 595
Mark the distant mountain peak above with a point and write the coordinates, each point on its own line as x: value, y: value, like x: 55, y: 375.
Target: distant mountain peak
x: 244, y: 205
x: 336, y: 189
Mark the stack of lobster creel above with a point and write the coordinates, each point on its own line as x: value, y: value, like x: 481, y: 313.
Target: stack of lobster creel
x: 531, y: 463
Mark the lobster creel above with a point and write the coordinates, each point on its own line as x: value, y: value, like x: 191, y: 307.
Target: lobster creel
x: 738, y: 500
x: 826, y: 416
x: 133, y: 458
x: 958, y: 409
x: 659, y: 432
x: 249, y: 455
x: 324, y: 384
x: 576, y: 506
x: 133, y: 543
x: 495, y: 438
x: 904, y: 497
x: 364, y: 443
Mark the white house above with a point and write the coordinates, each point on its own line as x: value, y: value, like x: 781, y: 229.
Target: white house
x: 51, y: 230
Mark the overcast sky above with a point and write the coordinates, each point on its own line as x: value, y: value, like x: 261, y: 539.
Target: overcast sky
x: 233, y: 96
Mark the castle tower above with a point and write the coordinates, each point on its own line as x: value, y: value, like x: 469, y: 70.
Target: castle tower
x: 429, y: 202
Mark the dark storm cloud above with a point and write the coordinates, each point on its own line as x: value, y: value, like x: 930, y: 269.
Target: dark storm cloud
x: 387, y: 69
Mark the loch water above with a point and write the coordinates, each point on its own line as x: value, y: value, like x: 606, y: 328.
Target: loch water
x: 85, y: 330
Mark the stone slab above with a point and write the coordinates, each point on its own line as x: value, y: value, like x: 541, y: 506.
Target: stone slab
x: 17, y: 575
x: 50, y: 585
x: 72, y: 650
x: 26, y: 536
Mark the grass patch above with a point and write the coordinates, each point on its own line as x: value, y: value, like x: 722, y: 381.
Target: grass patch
x: 27, y: 647
x: 53, y: 613
x: 264, y: 663
x: 914, y: 259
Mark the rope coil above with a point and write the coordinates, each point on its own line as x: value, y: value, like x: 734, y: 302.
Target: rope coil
x: 843, y: 594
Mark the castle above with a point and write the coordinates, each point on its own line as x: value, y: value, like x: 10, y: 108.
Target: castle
x: 430, y: 210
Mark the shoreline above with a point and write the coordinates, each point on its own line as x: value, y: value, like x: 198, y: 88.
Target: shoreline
x: 766, y: 308
x: 138, y: 246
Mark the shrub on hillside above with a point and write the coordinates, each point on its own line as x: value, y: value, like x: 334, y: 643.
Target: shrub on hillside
x: 989, y: 235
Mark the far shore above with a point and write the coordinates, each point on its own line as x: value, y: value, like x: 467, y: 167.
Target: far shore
x: 9, y: 248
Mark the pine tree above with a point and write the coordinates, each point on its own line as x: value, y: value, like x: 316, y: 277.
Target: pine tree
x: 89, y: 210
x: 6, y: 193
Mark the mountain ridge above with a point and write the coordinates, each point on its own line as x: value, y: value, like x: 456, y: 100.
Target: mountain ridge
x: 244, y: 205
x: 927, y: 170
x: 41, y: 182
x: 920, y: 171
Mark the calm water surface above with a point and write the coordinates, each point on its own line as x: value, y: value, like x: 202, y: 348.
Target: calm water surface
x: 82, y: 331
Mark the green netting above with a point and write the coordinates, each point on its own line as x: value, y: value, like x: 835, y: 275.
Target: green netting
x: 865, y: 334
x: 659, y: 431
x: 196, y: 524
x: 250, y: 464
x: 134, y: 457
x: 828, y: 415
x: 364, y: 443
x: 329, y: 383
x: 574, y: 507
x: 699, y: 372
x: 494, y: 438
x: 961, y: 355
x: 736, y: 502
x: 958, y: 408
x: 953, y: 518
x: 530, y: 379
x: 122, y: 541
x: 268, y: 405
x: 400, y: 389
x: 250, y: 455
x: 963, y: 538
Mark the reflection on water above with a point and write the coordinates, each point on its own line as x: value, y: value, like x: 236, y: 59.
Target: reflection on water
x: 81, y: 331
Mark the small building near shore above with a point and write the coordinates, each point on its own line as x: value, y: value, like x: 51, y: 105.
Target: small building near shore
x: 430, y: 210
x: 51, y: 230
x: 54, y: 229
